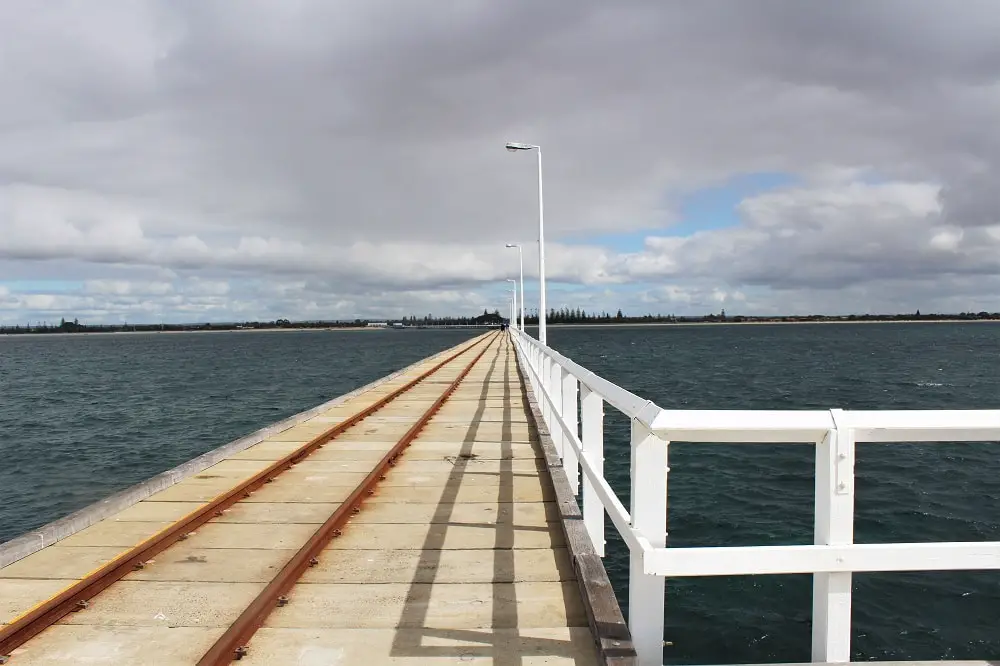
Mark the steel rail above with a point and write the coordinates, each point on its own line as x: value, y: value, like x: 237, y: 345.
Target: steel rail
x: 78, y: 596
x: 233, y: 644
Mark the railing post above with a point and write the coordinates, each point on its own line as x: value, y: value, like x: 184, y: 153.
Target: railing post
x: 555, y: 390
x: 539, y: 369
x: 528, y: 351
x: 831, y: 630
x: 541, y: 380
x: 570, y: 407
x: 649, y: 518
x: 529, y: 355
x: 592, y: 426
x: 546, y: 369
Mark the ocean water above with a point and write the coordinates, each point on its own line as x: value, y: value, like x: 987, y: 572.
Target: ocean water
x: 763, y: 494
x: 84, y: 416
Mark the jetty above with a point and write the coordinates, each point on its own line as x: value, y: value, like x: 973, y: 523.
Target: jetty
x: 452, y: 512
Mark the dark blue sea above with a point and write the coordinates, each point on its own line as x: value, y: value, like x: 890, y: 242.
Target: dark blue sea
x: 84, y: 416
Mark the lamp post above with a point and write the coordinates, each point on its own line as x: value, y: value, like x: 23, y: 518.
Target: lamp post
x: 513, y: 317
x: 513, y: 301
x: 514, y: 147
x: 520, y: 262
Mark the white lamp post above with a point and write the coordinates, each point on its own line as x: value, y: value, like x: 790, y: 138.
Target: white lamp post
x: 513, y: 147
x: 513, y: 318
x: 520, y: 262
x: 513, y: 302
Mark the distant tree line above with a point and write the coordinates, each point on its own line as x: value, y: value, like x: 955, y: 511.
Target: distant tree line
x: 580, y: 316
x: 487, y: 318
x: 430, y: 320
x: 76, y: 327
x: 555, y: 316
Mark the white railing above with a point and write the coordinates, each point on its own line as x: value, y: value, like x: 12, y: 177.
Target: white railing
x: 577, y: 433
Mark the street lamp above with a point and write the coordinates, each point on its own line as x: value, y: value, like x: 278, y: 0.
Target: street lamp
x: 520, y: 261
x: 513, y: 315
x: 514, y: 147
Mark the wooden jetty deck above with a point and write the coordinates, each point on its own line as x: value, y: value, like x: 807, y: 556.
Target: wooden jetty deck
x: 467, y: 550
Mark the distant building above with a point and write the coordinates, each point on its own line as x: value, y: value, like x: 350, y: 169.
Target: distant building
x: 377, y: 324
x: 487, y: 319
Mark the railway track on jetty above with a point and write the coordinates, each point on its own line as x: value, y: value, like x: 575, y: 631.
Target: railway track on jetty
x: 233, y: 644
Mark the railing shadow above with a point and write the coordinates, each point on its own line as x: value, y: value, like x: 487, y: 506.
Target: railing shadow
x: 503, y: 642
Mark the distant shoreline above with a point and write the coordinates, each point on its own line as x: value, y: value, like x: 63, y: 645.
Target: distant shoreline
x: 194, y: 330
x: 770, y: 323
x: 612, y: 324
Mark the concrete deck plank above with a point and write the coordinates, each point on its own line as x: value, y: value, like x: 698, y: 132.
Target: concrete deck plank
x: 378, y: 432
x: 451, y: 606
x: 521, y: 490
x: 153, y: 511
x: 531, y: 491
x: 440, y: 536
x: 439, y: 466
x: 361, y: 451
x: 167, y: 603
x: 276, y: 450
x: 475, y: 449
x: 308, y: 513
x: 528, y: 514
x: 309, y: 493
x: 116, y: 646
x: 20, y: 594
x: 61, y: 561
x: 422, y: 449
x: 493, y: 403
x: 532, y: 514
x: 462, y: 432
x: 188, y: 563
x: 235, y: 468
x: 250, y: 535
x: 356, y: 467
x: 488, y: 416
x: 109, y: 533
x: 443, y: 566
x: 504, y: 478
x: 288, y: 482
x: 415, y: 647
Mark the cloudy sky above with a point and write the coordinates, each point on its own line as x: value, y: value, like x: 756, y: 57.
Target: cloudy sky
x: 209, y: 160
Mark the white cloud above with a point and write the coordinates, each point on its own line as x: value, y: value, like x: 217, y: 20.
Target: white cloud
x: 125, y: 287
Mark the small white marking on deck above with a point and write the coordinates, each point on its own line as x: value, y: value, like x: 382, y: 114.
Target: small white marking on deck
x: 320, y: 656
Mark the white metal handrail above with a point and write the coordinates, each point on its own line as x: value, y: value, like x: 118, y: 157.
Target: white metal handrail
x: 577, y: 430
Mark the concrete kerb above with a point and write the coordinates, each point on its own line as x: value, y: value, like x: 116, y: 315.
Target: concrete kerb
x: 32, y: 542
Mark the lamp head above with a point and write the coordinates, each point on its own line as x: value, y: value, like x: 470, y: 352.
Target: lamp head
x: 514, y: 147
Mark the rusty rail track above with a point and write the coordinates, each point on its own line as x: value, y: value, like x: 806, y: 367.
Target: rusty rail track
x: 77, y: 597
x: 233, y: 644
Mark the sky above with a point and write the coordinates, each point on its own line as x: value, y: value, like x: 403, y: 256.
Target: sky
x: 209, y: 160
